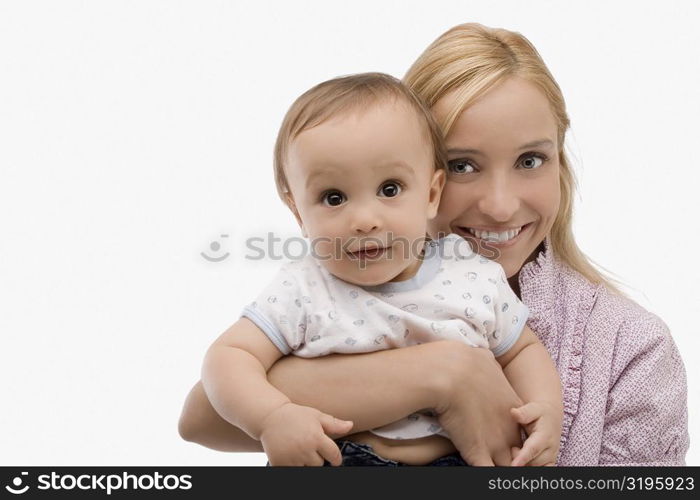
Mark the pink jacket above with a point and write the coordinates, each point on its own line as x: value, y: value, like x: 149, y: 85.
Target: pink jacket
x: 623, y: 380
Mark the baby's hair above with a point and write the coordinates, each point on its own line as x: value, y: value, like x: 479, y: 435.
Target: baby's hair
x: 341, y: 95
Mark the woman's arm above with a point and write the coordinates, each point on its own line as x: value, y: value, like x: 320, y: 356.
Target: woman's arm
x: 199, y: 423
x: 646, y: 423
x: 357, y: 387
x: 465, y: 385
x: 372, y: 389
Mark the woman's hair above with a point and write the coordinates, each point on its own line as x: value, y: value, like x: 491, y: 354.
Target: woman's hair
x: 471, y: 59
x: 342, y: 95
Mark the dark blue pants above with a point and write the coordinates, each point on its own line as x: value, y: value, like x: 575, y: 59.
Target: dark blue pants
x: 358, y: 454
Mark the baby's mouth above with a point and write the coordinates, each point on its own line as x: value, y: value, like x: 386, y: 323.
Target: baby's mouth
x: 368, y: 253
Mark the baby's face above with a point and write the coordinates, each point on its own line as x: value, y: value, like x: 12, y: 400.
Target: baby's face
x: 362, y: 180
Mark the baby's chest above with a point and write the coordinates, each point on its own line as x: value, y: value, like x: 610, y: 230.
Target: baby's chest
x: 396, y: 320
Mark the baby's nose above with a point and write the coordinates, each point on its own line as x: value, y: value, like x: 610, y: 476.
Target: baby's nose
x: 366, y: 221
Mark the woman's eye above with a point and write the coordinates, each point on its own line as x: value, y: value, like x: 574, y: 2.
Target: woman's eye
x: 531, y: 162
x: 333, y: 198
x: 390, y: 189
x: 460, y: 167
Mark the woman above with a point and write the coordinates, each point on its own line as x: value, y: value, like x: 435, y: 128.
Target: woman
x: 624, y: 385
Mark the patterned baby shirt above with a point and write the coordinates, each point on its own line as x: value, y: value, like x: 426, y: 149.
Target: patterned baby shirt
x: 455, y: 294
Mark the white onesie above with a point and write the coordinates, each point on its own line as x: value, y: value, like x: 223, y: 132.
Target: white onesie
x: 455, y: 294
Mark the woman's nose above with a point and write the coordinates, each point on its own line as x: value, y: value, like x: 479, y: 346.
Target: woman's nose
x: 499, y: 200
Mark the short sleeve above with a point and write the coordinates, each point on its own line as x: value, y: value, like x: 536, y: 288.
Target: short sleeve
x: 510, y: 315
x: 279, y: 311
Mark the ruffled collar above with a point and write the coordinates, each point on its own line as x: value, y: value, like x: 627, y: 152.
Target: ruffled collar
x: 537, y: 280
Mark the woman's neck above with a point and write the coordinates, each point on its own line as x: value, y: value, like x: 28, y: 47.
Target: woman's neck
x: 514, y: 281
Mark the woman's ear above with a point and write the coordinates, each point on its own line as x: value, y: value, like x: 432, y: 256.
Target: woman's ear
x: 293, y: 207
x: 436, y: 185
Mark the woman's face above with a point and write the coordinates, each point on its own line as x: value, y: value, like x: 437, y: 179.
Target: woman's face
x: 502, y: 192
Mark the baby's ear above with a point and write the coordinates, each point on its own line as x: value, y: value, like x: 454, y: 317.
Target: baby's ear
x: 293, y: 207
x: 436, y: 185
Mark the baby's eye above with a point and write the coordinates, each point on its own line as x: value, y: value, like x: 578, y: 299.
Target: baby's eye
x: 460, y: 167
x: 532, y: 162
x: 333, y: 198
x: 390, y: 189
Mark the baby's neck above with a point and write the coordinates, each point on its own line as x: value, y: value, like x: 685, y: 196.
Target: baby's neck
x: 412, y: 269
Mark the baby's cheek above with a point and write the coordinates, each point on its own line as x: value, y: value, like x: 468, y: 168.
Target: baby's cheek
x: 321, y: 248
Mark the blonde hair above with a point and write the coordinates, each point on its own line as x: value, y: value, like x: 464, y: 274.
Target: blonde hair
x: 343, y: 94
x: 470, y: 59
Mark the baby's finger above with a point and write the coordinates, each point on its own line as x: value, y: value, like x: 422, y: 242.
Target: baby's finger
x: 514, y: 450
x: 539, y: 461
x: 526, y: 413
x: 546, y: 458
x: 314, y: 460
x: 330, y: 451
x: 479, y: 459
x: 334, y: 426
x: 532, y: 447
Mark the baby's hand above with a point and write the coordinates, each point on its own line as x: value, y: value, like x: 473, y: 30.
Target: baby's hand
x: 542, y: 422
x: 299, y: 435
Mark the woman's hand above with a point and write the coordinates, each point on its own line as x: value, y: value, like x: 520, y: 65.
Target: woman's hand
x: 476, y: 407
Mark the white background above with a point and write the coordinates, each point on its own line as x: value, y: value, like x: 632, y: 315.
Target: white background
x: 133, y: 134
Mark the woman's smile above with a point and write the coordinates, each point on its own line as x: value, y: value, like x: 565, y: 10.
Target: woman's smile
x: 501, y: 238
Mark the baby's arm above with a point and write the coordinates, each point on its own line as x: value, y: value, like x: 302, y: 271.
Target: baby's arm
x: 234, y: 376
x: 530, y: 370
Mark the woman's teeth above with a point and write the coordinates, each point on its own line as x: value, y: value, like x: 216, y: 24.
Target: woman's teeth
x: 495, y: 237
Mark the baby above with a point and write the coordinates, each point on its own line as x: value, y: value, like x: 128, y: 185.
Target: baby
x: 361, y: 164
